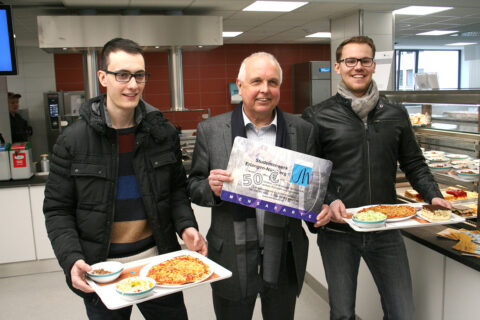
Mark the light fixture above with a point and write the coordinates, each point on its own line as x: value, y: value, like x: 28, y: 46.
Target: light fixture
x: 274, y: 6
x: 460, y: 44
x: 319, y: 35
x: 231, y: 34
x: 156, y: 47
x: 436, y: 33
x: 420, y: 10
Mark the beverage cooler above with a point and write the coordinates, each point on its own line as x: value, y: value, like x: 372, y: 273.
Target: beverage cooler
x: 311, y: 84
x: 61, y: 109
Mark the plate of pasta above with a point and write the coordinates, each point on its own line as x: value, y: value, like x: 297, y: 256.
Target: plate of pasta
x: 177, y: 271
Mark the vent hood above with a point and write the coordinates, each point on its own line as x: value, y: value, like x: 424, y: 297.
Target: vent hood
x: 83, y: 32
x: 86, y: 34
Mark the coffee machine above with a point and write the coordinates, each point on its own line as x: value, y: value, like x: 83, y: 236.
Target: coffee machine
x: 61, y: 109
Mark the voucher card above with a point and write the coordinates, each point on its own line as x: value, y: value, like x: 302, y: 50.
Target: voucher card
x: 276, y: 179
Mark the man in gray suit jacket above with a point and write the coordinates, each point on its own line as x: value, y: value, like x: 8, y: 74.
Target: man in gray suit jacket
x: 266, y: 252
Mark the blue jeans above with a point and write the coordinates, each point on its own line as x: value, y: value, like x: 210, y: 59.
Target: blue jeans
x: 385, y: 255
x: 169, y: 307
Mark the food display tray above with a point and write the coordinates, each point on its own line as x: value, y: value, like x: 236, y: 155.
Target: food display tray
x: 415, y: 221
x: 113, y: 300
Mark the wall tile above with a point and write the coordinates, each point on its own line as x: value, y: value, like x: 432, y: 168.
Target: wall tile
x: 206, y: 75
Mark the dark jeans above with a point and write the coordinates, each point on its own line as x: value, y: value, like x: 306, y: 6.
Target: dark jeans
x: 385, y: 255
x: 169, y: 307
x: 277, y: 303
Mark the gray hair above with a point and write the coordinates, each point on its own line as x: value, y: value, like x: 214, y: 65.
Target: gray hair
x: 242, y: 71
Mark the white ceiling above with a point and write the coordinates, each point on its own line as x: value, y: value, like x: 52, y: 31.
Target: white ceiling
x: 266, y: 27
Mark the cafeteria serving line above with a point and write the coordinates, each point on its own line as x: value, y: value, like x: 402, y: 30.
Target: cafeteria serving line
x: 444, y: 279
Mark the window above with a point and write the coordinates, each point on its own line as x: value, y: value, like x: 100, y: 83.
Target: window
x: 410, y: 81
x: 446, y: 63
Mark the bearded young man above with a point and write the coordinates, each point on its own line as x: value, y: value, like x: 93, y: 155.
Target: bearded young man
x: 364, y: 135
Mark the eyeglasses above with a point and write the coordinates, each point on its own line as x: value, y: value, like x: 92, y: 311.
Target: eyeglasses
x: 352, y: 62
x: 125, y: 76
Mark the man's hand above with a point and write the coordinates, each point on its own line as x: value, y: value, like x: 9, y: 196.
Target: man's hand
x: 216, y: 179
x: 442, y: 202
x: 194, y: 240
x: 77, y: 273
x: 323, y: 217
x: 338, y: 211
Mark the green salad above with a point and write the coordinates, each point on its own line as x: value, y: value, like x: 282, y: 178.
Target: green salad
x: 369, y: 216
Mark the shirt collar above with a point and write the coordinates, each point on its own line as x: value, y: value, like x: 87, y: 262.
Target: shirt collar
x: 247, y: 121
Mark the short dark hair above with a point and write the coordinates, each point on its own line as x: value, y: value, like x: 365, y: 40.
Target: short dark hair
x: 115, y: 45
x: 12, y: 95
x: 356, y: 39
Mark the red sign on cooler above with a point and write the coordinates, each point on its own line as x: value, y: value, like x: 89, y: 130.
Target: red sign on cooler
x: 19, y: 159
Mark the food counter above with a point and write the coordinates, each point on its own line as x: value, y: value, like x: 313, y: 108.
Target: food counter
x: 35, y: 180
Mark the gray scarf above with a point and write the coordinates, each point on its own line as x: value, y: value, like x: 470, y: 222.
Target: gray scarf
x: 361, y: 106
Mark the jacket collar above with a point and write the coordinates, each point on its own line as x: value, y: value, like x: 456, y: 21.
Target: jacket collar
x: 148, y: 118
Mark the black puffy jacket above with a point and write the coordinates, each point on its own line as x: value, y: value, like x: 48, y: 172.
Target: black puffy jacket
x: 365, y: 156
x: 81, y: 187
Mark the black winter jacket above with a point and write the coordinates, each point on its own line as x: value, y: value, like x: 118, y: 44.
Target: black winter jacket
x: 365, y: 156
x: 81, y: 187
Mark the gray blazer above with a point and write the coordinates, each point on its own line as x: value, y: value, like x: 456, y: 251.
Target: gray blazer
x: 212, y: 151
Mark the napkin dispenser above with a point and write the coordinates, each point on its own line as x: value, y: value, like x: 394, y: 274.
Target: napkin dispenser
x: 21, y: 165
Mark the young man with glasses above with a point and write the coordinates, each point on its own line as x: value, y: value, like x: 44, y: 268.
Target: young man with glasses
x: 116, y: 189
x: 365, y: 135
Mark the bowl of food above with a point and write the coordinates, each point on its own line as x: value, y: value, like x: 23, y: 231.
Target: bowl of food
x: 369, y: 219
x: 464, y: 167
x: 434, y: 153
x: 437, y: 159
x: 135, y: 287
x: 439, y: 167
x: 468, y: 174
x: 457, y: 156
x: 106, y: 271
x: 462, y: 162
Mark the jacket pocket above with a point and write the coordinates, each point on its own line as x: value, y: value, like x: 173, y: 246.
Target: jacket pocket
x: 161, y: 160
x: 86, y: 169
x: 90, y: 182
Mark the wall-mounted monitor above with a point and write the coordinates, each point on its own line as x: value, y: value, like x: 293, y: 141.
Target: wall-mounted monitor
x: 8, y: 61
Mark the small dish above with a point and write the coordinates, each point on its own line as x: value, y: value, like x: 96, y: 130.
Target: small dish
x: 434, y: 153
x: 468, y: 174
x: 462, y: 162
x: 465, y: 167
x: 369, y: 219
x: 134, y: 288
x: 437, y: 159
x: 439, y: 167
x: 456, y: 156
x: 104, y: 272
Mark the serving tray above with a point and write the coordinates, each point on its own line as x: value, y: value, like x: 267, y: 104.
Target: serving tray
x: 415, y: 221
x: 113, y: 300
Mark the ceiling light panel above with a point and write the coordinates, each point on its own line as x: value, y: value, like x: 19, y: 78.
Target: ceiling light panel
x: 274, y: 6
x: 231, y: 34
x: 460, y: 44
x: 420, y: 10
x: 319, y: 35
x: 436, y: 33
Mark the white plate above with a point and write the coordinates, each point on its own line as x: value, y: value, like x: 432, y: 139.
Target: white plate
x: 452, y: 217
x: 401, y: 219
x: 144, y: 271
x: 456, y: 156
